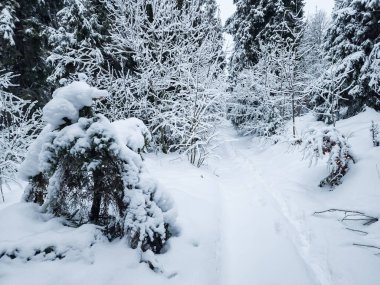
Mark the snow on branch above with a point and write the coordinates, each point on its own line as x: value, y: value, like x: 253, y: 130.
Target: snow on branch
x: 20, y: 124
x: 319, y: 142
x: 178, y: 85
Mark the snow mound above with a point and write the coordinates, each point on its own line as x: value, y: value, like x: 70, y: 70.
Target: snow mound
x: 68, y: 101
x: 53, y: 241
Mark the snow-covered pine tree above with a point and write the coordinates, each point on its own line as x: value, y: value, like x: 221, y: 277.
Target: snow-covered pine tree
x: 257, y: 21
x: 352, y: 47
x: 78, y: 40
x: 8, y: 21
x: 79, y: 168
x: 26, y: 57
x: 178, y: 80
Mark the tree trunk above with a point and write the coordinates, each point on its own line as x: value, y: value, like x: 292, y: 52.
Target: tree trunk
x: 293, y: 116
x: 97, y: 199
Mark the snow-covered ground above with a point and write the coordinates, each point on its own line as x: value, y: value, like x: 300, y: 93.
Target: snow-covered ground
x: 246, y: 218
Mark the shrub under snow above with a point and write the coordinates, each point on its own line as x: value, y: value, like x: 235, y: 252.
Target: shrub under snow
x: 318, y: 142
x: 80, y: 168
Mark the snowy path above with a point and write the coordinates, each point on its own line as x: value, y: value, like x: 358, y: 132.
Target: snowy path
x: 255, y: 244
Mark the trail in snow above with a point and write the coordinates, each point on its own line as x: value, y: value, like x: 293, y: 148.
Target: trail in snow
x: 256, y: 246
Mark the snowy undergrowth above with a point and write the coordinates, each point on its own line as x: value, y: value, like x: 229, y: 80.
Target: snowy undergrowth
x: 246, y: 218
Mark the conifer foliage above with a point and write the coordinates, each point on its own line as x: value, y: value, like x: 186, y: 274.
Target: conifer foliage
x: 352, y: 47
x: 24, y: 46
x: 79, y: 168
x: 319, y: 142
x: 8, y: 20
x: 77, y: 41
x: 258, y: 21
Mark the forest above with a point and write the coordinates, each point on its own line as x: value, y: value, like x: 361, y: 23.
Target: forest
x: 137, y: 147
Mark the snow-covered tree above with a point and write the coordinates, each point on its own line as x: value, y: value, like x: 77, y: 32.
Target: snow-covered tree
x: 258, y: 21
x: 8, y: 20
x: 313, y: 60
x: 78, y: 39
x: 327, y: 96
x: 253, y: 108
x: 273, y: 92
x: 318, y: 142
x: 19, y: 126
x: 352, y: 45
x: 26, y: 53
x: 177, y: 84
x: 82, y: 169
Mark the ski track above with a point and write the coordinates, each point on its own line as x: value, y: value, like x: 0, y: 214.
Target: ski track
x: 258, y: 244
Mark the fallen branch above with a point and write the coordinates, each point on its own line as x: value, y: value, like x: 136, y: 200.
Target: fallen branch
x: 366, y: 245
x: 352, y: 216
x: 353, y: 230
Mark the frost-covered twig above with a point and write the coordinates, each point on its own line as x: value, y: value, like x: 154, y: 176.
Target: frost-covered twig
x: 178, y: 85
x: 20, y: 123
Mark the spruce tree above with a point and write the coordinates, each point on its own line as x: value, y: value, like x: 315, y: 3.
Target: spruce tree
x: 81, y: 169
x: 8, y: 21
x: 352, y: 47
x: 77, y: 41
x: 23, y: 45
x: 258, y: 21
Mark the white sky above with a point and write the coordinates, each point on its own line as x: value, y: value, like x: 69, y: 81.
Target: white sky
x: 227, y: 7
x: 311, y: 5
